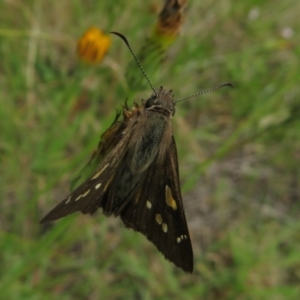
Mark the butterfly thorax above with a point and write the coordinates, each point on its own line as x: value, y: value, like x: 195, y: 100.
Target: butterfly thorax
x: 152, y: 133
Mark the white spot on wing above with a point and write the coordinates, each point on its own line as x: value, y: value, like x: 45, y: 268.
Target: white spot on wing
x: 68, y: 200
x: 158, y: 219
x: 97, y: 186
x: 83, y: 195
x: 149, y: 204
x: 178, y: 240
x: 99, y: 172
x: 165, y: 227
x: 78, y: 197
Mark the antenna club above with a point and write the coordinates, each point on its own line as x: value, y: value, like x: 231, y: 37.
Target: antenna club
x: 227, y: 84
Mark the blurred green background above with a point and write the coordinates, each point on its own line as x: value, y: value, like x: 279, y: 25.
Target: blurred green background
x: 239, y: 150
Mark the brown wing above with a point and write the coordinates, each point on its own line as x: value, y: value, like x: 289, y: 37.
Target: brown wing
x: 88, y: 197
x: 109, y: 139
x: 156, y: 210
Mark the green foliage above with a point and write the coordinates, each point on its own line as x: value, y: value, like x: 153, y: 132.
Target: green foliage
x: 238, y: 150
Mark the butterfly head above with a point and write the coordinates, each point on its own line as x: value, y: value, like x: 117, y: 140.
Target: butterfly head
x: 162, y: 99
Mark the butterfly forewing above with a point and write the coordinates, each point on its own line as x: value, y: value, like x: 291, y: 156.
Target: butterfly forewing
x: 109, y: 139
x: 87, y: 198
x: 156, y: 210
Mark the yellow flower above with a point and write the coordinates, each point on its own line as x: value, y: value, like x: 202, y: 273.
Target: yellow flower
x: 93, y: 45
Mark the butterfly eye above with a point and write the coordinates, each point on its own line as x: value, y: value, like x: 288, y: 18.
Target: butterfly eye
x: 151, y: 101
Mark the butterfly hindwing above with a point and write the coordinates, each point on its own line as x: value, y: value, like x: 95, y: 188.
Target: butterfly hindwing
x: 156, y: 210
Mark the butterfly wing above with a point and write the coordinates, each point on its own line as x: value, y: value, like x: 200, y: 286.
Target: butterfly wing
x: 109, y: 139
x: 88, y: 197
x: 156, y: 210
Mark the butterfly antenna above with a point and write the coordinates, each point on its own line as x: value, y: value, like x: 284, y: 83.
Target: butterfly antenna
x: 206, y: 91
x: 135, y: 58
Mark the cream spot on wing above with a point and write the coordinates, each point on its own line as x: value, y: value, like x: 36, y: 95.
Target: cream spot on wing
x: 137, y: 197
x: 158, y: 218
x: 78, y: 197
x: 181, y: 236
x: 97, y: 186
x: 100, y: 172
x: 149, y: 204
x: 178, y: 240
x: 107, y: 184
x: 169, y: 198
x: 164, y: 227
x: 185, y: 236
x: 83, y: 195
x: 68, y: 200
